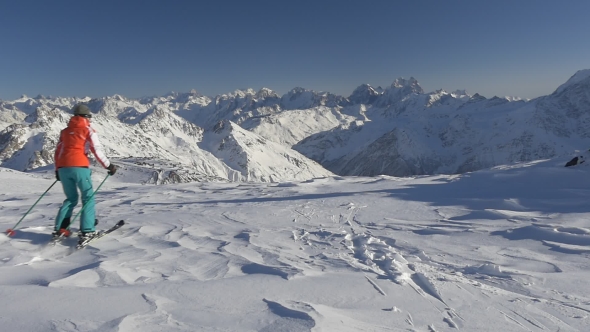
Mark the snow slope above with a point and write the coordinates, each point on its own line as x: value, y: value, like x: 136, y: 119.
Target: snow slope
x: 503, y: 249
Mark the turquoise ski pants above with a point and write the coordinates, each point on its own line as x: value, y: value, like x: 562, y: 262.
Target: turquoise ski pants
x: 72, y: 179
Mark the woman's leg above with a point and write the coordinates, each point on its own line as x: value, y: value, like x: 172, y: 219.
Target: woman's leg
x: 68, y: 180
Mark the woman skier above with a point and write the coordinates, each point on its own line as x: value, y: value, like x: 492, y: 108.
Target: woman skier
x: 72, y: 168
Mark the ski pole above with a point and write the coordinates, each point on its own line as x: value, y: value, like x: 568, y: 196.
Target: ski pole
x: 84, y: 206
x: 11, y: 231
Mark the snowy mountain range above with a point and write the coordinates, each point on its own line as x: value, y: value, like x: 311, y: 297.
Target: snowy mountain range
x: 261, y: 136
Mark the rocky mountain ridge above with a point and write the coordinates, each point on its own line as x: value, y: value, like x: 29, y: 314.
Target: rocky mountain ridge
x: 253, y: 135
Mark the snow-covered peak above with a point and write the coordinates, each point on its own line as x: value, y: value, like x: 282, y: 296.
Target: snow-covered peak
x: 172, y: 94
x: 578, y: 77
x: 477, y: 97
x: 241, y: 99
x: 460, y: 93
x: 184, y: 100
x: 513, y: 98
x: 441, y: 97
x: 175, y: 95
x: 44, y: 115
x: 407, y: 83
x: 399, y: 89
x: 300, y: 98
x: 410, y: 85
x: 364, y: 94
x: 239, y: 93
x: 297, y: 98
x: 266, y: 93
x: 111, y: 106
x: 119, y: 97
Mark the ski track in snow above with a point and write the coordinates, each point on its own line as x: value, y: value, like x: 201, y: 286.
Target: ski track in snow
x: 327, y: 254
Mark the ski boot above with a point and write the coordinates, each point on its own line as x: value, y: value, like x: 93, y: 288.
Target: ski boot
x: 61, y: 233
x: 85, y: 237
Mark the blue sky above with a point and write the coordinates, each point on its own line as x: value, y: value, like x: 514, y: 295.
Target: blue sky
x: 523, y: 48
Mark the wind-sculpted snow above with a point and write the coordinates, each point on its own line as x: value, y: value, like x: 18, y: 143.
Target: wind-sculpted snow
x: 501, y: 249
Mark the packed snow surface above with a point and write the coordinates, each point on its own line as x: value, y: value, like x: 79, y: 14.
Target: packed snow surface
x: 503, y: 249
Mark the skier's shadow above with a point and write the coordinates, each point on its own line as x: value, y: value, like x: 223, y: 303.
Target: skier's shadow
x: 32, y: 237
x: 40, y: 238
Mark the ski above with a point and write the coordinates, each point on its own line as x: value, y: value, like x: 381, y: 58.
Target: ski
x: 101, y: 234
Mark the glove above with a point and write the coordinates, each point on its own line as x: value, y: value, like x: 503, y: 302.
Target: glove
x: 112, y: 169
x: 57, y: 175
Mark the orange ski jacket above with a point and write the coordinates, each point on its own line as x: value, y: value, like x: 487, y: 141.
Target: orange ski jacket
x: 74, y: 144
